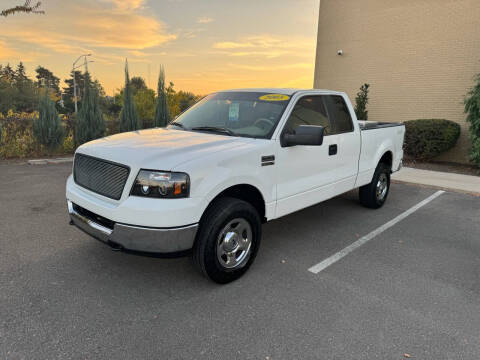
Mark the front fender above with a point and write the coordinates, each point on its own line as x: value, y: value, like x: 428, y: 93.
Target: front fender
x: 218, y: 173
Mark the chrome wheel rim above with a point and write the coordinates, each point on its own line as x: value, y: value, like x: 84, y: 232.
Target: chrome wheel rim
x: 382, y: 186
x: 234, y: 243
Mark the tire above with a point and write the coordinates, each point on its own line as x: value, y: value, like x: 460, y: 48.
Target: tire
x: 227, y: 240
x: 369, y: 196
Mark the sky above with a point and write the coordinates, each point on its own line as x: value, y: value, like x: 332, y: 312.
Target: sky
x: 204, y: 45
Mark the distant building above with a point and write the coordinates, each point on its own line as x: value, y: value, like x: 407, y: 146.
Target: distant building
x: 419, y: 56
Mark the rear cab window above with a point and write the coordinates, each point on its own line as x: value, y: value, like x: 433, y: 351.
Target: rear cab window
x: 309, y: 110
x: 339, y: 114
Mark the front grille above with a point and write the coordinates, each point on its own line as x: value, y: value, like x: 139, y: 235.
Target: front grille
x: 100, y: 176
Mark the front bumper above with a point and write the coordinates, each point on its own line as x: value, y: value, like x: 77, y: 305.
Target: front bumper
x: 136, y: 238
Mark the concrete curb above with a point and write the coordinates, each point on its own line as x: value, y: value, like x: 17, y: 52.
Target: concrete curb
x: 50, y: 161
x: 435, y: 187
x: 466, y: 184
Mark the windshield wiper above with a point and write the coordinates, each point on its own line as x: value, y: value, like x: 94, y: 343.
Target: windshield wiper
x: 180, y: 125
x: 215, y: 129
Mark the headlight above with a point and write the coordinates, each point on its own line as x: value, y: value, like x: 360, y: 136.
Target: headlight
x: 161, y: 184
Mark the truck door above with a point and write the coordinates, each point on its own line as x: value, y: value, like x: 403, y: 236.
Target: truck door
x: 305, y: 174
x: 348, y: 143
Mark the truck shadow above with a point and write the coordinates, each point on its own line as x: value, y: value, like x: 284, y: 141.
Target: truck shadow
x: 313, y: 232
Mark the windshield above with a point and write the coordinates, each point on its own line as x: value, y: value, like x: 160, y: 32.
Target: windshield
x: 249, y: 114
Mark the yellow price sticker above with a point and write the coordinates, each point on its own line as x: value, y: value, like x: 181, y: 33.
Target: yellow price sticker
x: 274, y: 97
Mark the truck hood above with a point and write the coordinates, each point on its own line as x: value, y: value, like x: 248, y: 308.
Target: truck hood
x: 159, y: 149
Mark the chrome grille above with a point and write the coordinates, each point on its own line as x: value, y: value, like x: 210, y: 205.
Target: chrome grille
x: 100, y: 176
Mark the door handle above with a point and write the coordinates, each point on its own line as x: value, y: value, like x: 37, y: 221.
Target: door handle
x: 332, y: 149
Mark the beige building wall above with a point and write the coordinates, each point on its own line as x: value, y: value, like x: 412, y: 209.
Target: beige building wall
x: 419, y: 56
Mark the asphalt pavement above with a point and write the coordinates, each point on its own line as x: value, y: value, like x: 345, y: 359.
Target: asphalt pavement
x: 413, y: 289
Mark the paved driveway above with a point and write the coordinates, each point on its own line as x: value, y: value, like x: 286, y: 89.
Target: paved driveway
x: 412, y: 289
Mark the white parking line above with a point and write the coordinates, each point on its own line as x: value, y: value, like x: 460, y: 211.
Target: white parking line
x: 342, y: 253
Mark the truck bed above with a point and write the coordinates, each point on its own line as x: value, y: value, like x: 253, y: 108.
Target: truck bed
x: 376, y: 137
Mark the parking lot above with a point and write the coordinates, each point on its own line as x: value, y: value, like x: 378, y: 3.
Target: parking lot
x: 412, y: 290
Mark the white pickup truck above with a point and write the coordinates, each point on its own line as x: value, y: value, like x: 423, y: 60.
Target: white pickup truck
x: 234, y: 160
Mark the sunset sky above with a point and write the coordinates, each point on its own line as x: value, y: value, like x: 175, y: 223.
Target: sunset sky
x: 205, y: 45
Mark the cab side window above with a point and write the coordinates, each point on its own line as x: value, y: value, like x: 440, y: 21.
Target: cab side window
x: 309, y: 110
x: 339, y: 114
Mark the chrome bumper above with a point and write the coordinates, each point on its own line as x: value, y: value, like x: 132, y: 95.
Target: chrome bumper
x: 137, y: 238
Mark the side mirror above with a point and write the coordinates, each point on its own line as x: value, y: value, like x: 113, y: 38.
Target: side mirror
x: 304, y: 135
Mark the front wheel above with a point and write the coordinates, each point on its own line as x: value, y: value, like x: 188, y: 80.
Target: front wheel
x: 375, y: 194
x: 228, y: 240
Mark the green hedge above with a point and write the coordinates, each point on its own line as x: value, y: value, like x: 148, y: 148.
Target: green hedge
x: 427, y: 138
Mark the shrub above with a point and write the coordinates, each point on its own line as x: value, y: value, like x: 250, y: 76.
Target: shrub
x: 361, y: 102
x: 17, y: 138
x: 89, y: 121
x: 112, y: 125
x: 47, y: 127
x: 68, y: 146
x: 162, y: 114
x: 427, y: 138
x: 472, y: 108
x: 128, y: 115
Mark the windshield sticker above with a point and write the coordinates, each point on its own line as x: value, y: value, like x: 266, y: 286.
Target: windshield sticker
x: 234, y: 112
x: 274, y: 97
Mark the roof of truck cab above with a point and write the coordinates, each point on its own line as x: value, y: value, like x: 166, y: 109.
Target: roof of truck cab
x: 283, y: 91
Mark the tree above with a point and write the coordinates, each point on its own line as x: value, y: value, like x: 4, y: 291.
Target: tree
x: 361, y: 102
x: 144, y: 100
x: 90, y: 122
x: 137, y: 84
x: 7, y: 89
x: 8, y: 74
x: 47, y: 127
x: 162, y: 114
x: 16, y: 90
x: 179, y: 101
x: 472, y: 108
x: 102, y: 97
x: 21, y: 78
x: 128, y: 115
x: 68, y: 91
x: 25, y: 8
x: 45, y: 78
x: 145, y: 104
x: 27, y: 97
x: 186, y: 99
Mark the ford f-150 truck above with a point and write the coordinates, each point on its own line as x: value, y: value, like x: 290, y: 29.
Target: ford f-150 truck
x: 234, y: 160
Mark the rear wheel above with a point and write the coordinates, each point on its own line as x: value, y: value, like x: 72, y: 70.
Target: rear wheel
x: 228, y: 240
x: 375, y: 194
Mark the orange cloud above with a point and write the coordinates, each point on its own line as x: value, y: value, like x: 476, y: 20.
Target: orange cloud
x: 7, y: 52
x: 204, y: 20
x: 10, y: 53
x: 273, y: 67
x: 126, y: 5
x: 268, y: 54
x: 91, y: 25
x: 127, y: 31
x: 137, y: 53
x: 267, y: 46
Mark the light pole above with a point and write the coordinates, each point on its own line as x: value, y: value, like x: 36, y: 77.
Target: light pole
x: 74, y: 81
